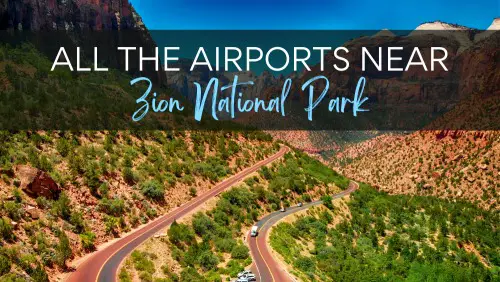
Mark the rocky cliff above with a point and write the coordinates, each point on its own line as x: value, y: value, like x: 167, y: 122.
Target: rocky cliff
x: 443, y: 163
x: 68, y: 15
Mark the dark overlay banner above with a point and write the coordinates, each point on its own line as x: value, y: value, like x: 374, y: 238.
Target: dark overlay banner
x: 250, y: 79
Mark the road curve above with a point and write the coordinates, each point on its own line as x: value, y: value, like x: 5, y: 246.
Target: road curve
x: 265, y: 267
x: 103, y: 265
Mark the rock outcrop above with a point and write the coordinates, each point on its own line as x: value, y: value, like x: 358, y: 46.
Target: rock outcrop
x: 492, y: 29
x: 495, y: 25
x: 68, y: 15
x: 36, y: 182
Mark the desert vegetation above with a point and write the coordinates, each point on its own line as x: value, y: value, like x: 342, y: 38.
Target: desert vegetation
x: 108, y: 183
x: 209, y: 246
x: 376, y: 236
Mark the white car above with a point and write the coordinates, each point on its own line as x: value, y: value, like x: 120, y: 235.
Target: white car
x: 247, y: 278
x: 250, y: 277
x: 244, y: 273
x: 299, y: 205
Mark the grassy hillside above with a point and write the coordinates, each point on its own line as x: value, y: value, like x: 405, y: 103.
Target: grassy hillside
x: 445, y: 164
x: 110, y: 181
x: 208, y: 246
x: 378, y: 237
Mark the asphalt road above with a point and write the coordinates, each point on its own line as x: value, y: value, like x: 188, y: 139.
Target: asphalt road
x: 103, y: 265
x: 265, y: 267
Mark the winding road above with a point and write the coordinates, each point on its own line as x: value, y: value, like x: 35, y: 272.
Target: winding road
x: 265, y: 267
x: 103, y: 264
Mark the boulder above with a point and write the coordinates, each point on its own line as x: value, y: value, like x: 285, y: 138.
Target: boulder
x: 36, y: 182
x: 483, y: 166
x: 33, y: 212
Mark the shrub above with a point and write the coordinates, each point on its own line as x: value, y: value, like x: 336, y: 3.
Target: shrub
x: 61, y: 207
x: 63, y: 146
x: 112, y: 223
x: 103, y: 190
x: 233, y: 268
x: 39, y: 275
x: 129, y: 175
x: 44, y: 164
x: 76, y: 163
x: 63, y: 250
x: 18, y: 196
x: 304, y: 263
x: 178, y: 233
x: 208, y: 260
x: 202, y: 224
x: 153, y: 190
x: 13, y: 209
x: 114, y: 207
x: 213, y: 276
x: 192, y: 191
x: 42, y: 202
x: 327, y: 201
x: 151, y: 212
x: 225, y: 245
x: 108, y: 143
x: 124, y: 276
x: 171, y: 275
x: 92, y: 174
x: 190, y: 274
x: 146, y: 277
x: 76, y: 219
x: 239, y: 252
x: 88, y: 241
x: 265, y: 172
x: 5, y: 228
x: 5, y: 265
x: 306, y: 198
x: 142, y: 262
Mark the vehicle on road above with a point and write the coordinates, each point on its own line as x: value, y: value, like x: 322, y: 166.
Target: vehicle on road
x: 255, y: 231
x: 246, y: 276
x: 282, y: 209
x: 299, y: 205
x: 246, y: 279
x: 250, y: 277
x: 244, y: 273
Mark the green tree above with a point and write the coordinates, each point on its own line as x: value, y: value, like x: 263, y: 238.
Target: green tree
x: 180, y: 233
x: 208, y: 260
x: 202, y: 224
x: 240, y: 252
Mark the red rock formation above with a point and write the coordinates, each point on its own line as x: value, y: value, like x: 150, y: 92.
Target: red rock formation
x: 36, y: 182
x: 69, y: 15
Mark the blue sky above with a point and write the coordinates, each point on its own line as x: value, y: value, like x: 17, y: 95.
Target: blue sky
x: 313, y: 14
